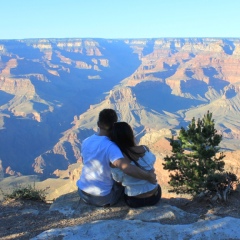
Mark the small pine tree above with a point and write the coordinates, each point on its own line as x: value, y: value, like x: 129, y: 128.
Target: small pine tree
x: 193, y: 156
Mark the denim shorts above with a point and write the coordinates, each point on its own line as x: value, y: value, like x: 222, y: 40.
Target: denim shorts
x: 103, y: 201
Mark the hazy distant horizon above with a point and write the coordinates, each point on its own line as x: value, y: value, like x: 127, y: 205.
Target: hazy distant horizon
x: 57, y: 38
x: 107, y: 19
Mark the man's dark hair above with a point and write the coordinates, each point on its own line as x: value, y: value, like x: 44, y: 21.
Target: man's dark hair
x: 107, y: 117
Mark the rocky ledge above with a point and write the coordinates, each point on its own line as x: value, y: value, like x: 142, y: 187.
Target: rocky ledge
x: 163, y: 221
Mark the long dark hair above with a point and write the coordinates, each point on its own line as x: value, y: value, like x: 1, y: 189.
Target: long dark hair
x: 123, y: 136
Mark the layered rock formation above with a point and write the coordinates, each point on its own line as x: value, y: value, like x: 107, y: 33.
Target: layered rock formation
x: 51, y: 91
x: 1, y: 170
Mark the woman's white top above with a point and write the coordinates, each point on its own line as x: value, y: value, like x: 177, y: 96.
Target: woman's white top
x: 134, y: 186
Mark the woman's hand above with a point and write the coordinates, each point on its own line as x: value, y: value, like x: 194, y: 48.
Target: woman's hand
x: 152, y: 176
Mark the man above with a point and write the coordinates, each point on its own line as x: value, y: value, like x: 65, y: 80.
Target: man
x: 96, y: 185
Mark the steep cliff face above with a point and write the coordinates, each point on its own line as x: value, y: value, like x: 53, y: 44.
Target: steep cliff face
x: 1, y: 170
x: 180, y: 62
x: 51, y: 91
x: 44, y: 83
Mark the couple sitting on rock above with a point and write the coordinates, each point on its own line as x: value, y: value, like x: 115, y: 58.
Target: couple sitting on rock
x: 114, y: 165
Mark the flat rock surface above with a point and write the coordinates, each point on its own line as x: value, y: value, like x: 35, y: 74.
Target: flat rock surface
x: 226, y: 228
x: 70, y: 218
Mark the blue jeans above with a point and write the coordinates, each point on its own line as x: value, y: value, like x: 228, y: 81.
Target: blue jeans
x: 103, y: 201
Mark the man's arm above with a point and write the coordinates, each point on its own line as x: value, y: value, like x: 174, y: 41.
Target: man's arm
x: 134, y: 171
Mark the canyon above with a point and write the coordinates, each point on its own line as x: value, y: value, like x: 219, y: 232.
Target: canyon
x: 51, y: 91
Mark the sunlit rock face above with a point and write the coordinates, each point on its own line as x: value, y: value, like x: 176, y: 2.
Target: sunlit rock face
x: 1, y: 170
x: 51, y: 91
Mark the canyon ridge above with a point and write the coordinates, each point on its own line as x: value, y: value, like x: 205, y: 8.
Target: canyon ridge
x: 51, y: 91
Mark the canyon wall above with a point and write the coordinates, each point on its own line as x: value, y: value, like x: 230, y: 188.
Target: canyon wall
x: 51, y: 91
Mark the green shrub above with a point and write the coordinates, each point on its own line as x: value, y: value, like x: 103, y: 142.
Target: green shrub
x: 193, y: 157
x: 28, y: 192
x: 222, y: 184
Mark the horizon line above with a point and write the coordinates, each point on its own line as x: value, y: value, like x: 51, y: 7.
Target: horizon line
x: 120, y: 38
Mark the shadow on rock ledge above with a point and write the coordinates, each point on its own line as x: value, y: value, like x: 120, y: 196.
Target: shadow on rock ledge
x: 162, y: 221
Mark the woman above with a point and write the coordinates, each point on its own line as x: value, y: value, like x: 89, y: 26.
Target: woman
x: 137, y: 192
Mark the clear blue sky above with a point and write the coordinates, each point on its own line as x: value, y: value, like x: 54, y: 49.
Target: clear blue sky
x: 119, y: 18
